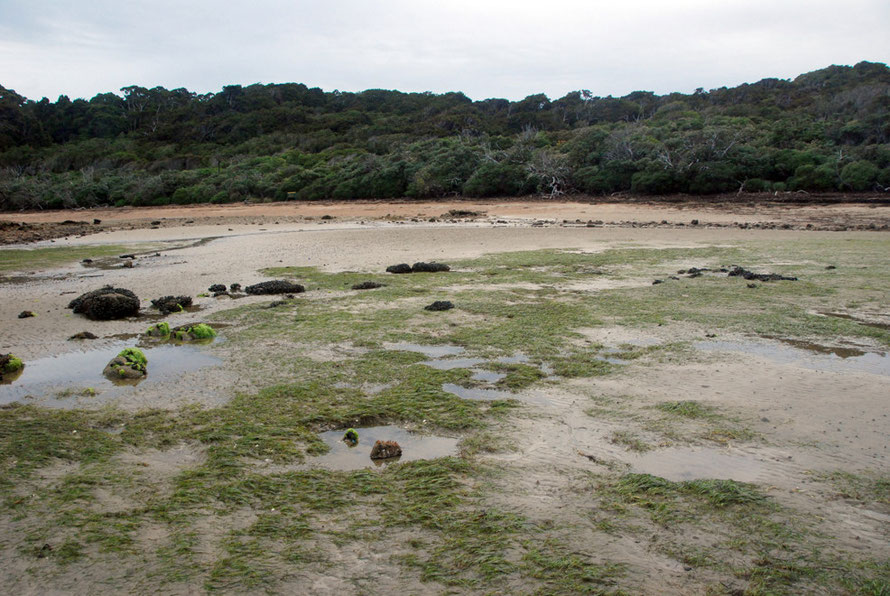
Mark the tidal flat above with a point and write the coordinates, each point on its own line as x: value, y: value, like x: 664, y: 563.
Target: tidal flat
x: 578, y: 428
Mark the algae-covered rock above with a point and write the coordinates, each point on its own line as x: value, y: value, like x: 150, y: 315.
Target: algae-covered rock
x: 399, y: 269
x: 439, y: 305
x: 106, y: 303
x: 275, y: 287
x: 429, y: 267
x: 168, y: 304
x: 10, y: 363
x: 195, y: 331
x: 350, y: 437
x: 385, y: 450
x: 159, y: 330
x: 131, y: 363
x: 367, y: 285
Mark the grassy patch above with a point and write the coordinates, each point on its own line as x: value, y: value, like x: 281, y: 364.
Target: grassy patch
x: 26, y: 259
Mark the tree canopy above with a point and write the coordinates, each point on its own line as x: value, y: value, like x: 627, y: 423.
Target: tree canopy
x: 825, y: 130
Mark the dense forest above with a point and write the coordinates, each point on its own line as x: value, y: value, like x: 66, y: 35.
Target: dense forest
x: 827, y: 130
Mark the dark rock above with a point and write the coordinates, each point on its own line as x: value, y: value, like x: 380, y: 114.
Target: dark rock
x: 168, y: 304
x: 235, y: 288
x: 26, y: 314
x: 156, y: 223
x: 87, y: 261
x: 439, y: 305
x: 83, y: 335
x: 126, y: 256
x: 275, y: 287
x: 749, y: 275
x: 367, y: 285
x: 217, y: 288
x: 694, y: 222
x: 327, y: 217
x: 657, y: 281
x: 752, y: 285
x: 385, y: 450
x: 97, y: 221
x: 429, y: 267
x: 830, y: 267
x: 106, y: 303
x: 463, y: 213
x: 400, y: 268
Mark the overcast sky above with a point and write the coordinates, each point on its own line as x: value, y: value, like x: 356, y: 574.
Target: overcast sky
x: 485, y: 48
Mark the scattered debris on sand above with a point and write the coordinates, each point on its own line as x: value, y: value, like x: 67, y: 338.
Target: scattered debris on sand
x: 750, y: 275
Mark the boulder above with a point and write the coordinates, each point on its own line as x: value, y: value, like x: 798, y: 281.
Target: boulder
x: 217, y: 288
x: 77, y: 303
x: 26, y: 314
x: 107, y: 306
x: 130, y: 364
x: 275, y: 287
x: 168, y: 304
x: 439, y: 305
x: 400, y: 268
x: 83, y: 335
x: 367, y: 285
x: 429, y: 267
x: 385, y: 450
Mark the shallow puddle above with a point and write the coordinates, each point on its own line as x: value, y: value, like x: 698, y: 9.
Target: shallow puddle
x: 807, y: 355
x: 452, y: 363
x: 487, y: 376
x: 475, y: 393
x: 414, y: 446
x: 428, y: 351
x: 76, y: 371
x: 685, y: 463
x: 514, y: 359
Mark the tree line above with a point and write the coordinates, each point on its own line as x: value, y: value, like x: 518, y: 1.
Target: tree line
x: 827, y: 130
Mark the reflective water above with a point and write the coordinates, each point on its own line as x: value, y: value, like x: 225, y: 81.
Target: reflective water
x: 450, y: 363
x: 428, y: 351
x: 47, y: 377
x: 414, y: 446
x: 807, y: 355
x: 476, y: 393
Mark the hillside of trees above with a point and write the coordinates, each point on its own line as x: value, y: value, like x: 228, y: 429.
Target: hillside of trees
x: 827, y: 130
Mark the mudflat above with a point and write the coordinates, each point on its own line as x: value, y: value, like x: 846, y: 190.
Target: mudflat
x: 605, y: 409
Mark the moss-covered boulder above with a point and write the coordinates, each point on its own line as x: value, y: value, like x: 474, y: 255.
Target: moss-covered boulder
x: 130, y: 364
x: 159, y: 330
x: 193, y: 332
x: 10, y: 366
